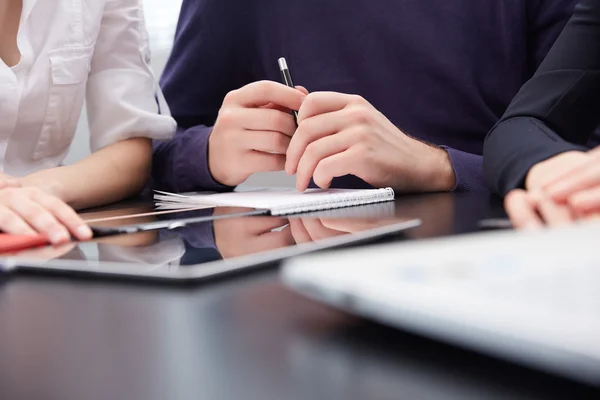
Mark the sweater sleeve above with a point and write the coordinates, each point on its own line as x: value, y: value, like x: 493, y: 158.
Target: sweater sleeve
x: 468, y: 169
x: 181, y: 165
x: 204, y: 66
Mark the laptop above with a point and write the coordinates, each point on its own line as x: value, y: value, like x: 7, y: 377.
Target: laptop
x: 196, y: 245
x: 532, y: 298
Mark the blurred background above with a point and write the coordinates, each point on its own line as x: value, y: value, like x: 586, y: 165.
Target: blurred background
x: 161, y: 19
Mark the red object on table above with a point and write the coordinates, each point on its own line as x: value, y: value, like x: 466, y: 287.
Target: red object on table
x: 13, y: 243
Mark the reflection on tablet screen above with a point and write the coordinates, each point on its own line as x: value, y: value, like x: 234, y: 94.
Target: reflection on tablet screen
x: 220, y: 240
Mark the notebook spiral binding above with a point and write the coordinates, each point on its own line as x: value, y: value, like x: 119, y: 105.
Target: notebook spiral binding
x: 337, y: 201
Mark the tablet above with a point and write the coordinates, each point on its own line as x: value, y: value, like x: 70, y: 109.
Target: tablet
x: 203, y: 250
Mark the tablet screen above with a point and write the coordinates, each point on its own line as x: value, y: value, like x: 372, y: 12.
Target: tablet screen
x: 234, y: 241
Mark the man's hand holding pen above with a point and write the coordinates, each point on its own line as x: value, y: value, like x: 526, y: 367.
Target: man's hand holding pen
x: 328, y: 135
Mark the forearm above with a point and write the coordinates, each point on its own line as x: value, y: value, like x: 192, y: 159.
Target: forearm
x: 109, y: 175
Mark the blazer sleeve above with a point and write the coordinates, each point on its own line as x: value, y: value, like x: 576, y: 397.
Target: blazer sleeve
x: 556, y: 111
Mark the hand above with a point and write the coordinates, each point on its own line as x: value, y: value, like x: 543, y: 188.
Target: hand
x: 27, y: 211
x: 253, y: 131
x: 342, y: 134
x: 528, y: 210
x: 579, y: 187
x: 548, y: 171
x: 236, y: 237
x: 306, y: 230
x: 561, y: 190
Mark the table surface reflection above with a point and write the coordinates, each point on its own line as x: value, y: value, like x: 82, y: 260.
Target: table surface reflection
x: 243, y: 337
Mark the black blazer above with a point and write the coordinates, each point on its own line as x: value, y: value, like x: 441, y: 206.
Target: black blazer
x: 556, y: 111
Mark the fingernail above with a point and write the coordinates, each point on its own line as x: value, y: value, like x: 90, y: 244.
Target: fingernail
x: 84, y: 232
x: 58, y: 237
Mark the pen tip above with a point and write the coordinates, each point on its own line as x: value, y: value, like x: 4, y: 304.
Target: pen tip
x: 282, y: 63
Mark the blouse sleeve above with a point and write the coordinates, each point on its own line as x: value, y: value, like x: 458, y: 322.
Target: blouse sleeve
x: 123, y: 97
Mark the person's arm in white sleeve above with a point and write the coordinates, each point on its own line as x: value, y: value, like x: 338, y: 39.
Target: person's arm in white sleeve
x: 125, y: 110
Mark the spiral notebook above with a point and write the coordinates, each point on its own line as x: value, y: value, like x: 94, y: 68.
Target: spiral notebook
x: 278, y: 201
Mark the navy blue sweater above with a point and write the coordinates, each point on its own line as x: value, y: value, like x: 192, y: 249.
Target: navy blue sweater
x: 442, y: 71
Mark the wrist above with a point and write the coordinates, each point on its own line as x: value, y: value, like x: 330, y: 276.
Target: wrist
x: 211, y: 164
x: 46, y: 180
x: 440, y: 176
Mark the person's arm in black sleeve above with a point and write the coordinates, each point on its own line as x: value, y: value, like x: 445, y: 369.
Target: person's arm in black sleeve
x: 556, y: 111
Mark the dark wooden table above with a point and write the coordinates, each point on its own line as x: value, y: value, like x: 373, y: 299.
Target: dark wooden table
x: 246, y: 337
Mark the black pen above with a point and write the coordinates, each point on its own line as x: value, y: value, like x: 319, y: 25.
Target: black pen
x: 287, y: 80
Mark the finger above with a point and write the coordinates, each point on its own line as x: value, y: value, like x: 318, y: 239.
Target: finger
x: 258, y: 94
x: 520, y: 210
x: 317, y: 151
x: 65, y: 215
x: 40, y: 219
x: 302, y: 89
x: 299, y: 231
x: 581, y: 178
x: 311, y: 130
x: 585, y: 202
x: 9, y: 183
x: 258, y: 119
x: 273, y: 106
x: 318, y: 231
x: 549, y: 172
x: 554, y: 214
x: 340, y: 164
x: 593, y: 216
x: 318, y: 103
x: 265, y: 141
x: 11, y: 222
x: 264, y: 162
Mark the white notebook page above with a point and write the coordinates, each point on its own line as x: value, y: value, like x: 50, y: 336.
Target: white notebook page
x: 281, y: 201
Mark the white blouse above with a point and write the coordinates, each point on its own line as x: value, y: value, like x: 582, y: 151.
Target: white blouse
x: 73, y: 50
